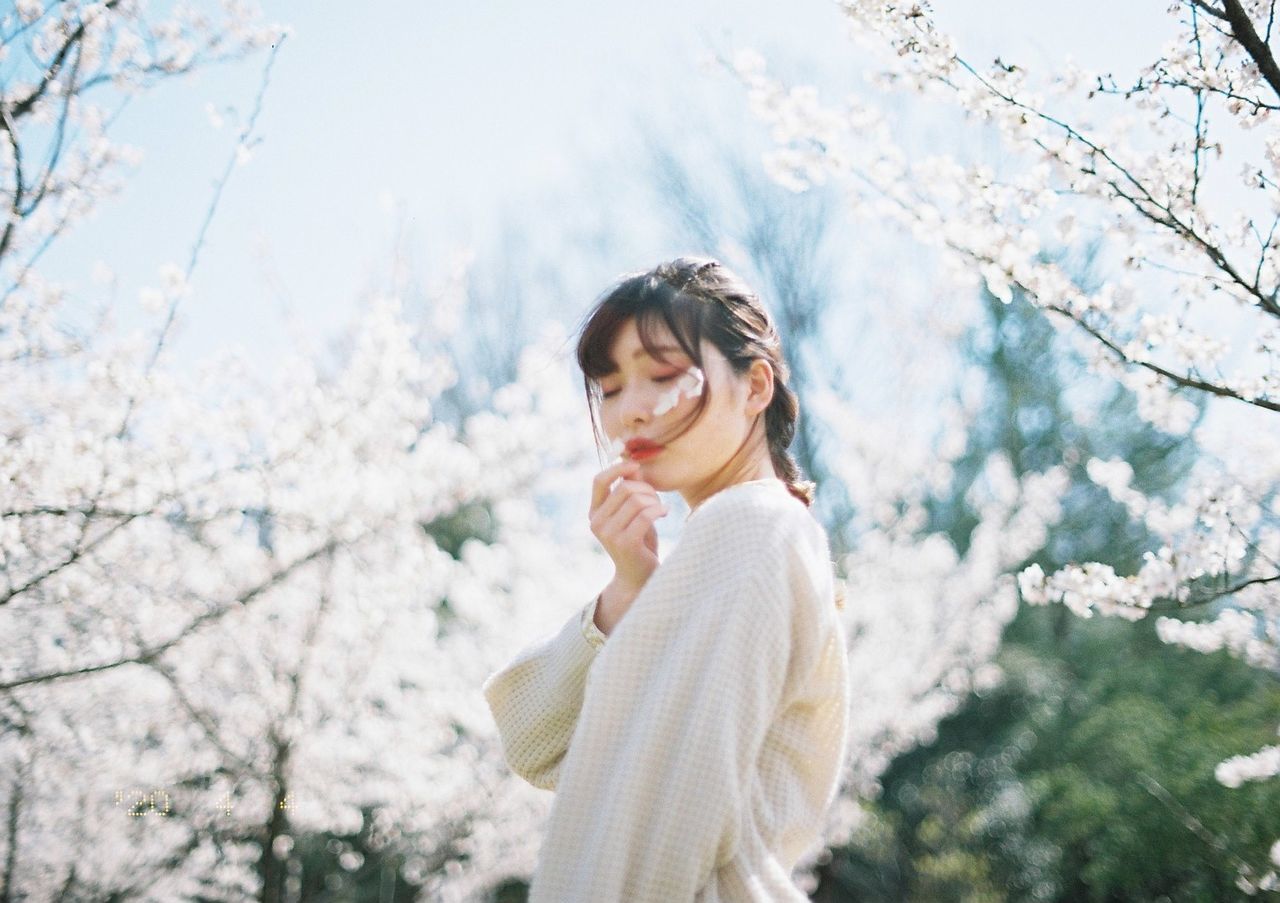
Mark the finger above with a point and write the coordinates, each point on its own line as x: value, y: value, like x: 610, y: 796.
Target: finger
x: 629, y: 497
x: 614, y: 513
x: 618, y: 510
x: 602, y: 481
x: 625, y: 490
x: 647, y: 514
x: 641, y: 533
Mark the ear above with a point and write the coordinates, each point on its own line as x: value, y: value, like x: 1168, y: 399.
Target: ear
x: 759, y: 386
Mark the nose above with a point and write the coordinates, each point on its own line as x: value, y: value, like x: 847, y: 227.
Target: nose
x: 636, y: 407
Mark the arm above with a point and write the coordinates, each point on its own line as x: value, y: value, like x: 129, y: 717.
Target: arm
x: 651, y: 797
x: 535, y: 699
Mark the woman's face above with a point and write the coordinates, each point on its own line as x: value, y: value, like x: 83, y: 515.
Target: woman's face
x: 647, y: 398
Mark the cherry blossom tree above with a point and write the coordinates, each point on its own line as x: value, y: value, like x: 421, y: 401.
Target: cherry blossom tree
x: 239, y: 613
x: 243, y: 626
x: 1173, y: 174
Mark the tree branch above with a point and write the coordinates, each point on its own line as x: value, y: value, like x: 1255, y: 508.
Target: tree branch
x: 1211, y: 10
x: 1168, y: 219
x: 146, y: 655
x: 1176, y: 605
x: 1188, y: 381
x: 1242, y: 28
x: 200, y: 718
x: 77, y: 552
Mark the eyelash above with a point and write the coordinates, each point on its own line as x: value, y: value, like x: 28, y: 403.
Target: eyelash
x: 657, y: 379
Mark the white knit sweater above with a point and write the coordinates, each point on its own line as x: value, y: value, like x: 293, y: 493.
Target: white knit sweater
x: 695, y: 752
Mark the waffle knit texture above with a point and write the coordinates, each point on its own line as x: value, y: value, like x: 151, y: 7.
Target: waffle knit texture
x: 695, y: 750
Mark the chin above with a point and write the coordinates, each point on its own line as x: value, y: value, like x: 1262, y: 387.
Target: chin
x: 650, y: 477
x: 657, y: 481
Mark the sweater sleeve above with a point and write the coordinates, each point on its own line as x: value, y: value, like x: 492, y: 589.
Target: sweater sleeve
x: 536, y: 697
x: 651, y: 798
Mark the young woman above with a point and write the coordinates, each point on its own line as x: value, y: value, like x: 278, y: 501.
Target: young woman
x: 692, y: 717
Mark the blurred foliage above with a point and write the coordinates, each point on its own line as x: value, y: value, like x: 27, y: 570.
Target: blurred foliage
x: 472, y: 520
x: 1089, y: 773
x: 349, y: 868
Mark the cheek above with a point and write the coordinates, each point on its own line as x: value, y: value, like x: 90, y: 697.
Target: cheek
x: 700, y: 430
x: 609, y: 417
x: 683, y: 396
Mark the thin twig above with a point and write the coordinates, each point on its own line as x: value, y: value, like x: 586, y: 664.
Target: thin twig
x: 1186, y: 381
x: 204, y: 226
x: 152, y: 652
x: 1189, y: 821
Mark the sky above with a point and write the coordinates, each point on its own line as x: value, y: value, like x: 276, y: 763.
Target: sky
x: 448, y: 119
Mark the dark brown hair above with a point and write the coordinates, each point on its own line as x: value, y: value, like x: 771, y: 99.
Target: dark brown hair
x: 696, y: 297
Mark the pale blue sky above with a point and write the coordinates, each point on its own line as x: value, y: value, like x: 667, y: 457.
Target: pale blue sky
x: 466, y: 114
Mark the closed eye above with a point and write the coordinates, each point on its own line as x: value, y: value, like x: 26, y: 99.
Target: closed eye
x: 656, y: 379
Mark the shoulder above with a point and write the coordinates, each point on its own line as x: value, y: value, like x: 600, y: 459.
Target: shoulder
x: 747, y: 553
x: 761, y: 540
x: 756, y: 520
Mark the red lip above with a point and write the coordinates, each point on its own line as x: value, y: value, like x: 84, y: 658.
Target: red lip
x: 639, y: 447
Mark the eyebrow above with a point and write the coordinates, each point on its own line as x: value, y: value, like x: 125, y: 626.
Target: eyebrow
x: 640, y: 352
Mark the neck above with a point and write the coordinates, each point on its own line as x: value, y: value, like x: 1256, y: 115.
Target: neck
x: 760, y: 469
